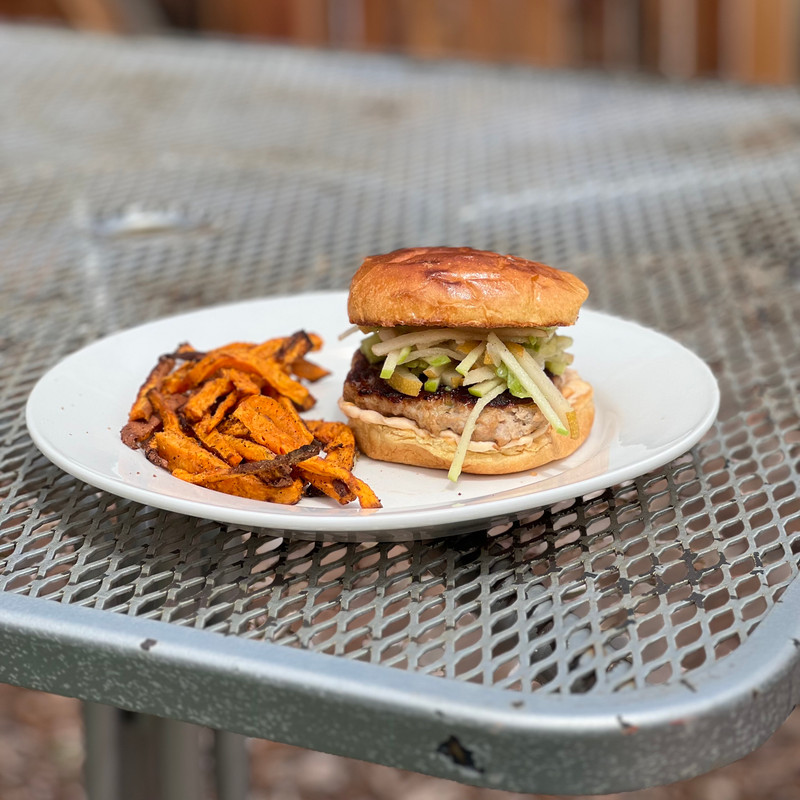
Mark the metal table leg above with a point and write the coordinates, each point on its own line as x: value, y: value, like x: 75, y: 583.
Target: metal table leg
x: 133, y: 756
x: 179, y: 759
x: 232, y: 765
x: 102, y: 746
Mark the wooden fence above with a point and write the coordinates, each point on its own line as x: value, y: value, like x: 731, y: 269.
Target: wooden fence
x: 755, y: 41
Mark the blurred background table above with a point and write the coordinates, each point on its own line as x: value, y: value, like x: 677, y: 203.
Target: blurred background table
x: 636, y: 636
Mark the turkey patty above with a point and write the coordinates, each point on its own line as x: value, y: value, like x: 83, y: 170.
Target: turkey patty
x: 504, y: 419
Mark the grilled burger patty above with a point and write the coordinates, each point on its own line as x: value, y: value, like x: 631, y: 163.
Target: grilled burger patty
x: 504, y: 419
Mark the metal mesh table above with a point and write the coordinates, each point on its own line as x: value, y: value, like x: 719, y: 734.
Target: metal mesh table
x: 635, y: 636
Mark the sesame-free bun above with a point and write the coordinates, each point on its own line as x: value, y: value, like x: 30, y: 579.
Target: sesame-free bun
x: 418, y: 447
x: 461, y: 287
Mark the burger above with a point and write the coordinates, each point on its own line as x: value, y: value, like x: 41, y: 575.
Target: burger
x: 463, y: 367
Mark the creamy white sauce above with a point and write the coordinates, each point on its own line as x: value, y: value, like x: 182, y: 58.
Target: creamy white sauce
x: 374, y: 418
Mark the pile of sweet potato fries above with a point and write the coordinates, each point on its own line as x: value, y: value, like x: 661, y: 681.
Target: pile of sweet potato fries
x: 228, y: 420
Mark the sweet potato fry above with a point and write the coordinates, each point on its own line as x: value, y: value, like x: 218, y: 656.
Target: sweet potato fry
x: 249, y: 451
x: 366, y: 497
x: 245, y: 383
x: 294, y: 347
x: 218, y: 444
x: 308, y: 370
x: 294, y: 420
x: 286, y: 345
x: 211, y: 421
x: 209, y: 366
x: 165, y: 406
x: 138, y: 431
x: 233, y: 348
x: 232, y: 427
x: 182, y: 452
x: 273, y: 373
x: 287, y: 460
x: 316, y: 341
x: 151, y: 454
x: 327, y: 478
x: 141, y: 408
x: 272, y: 424
x: 206, y: 396
x: 186, y: 352
x: 269, y: 348
x: 248, y: 486
x: 227, y: 419
x: 268, y: 369
x: 281, y: 477
x: 276, y: 471
x: 338, y: 483
x: 340, y: 444
x: 176, y: 382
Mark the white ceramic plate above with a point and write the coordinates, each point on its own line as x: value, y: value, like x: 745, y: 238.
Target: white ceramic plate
x: 654, y: 400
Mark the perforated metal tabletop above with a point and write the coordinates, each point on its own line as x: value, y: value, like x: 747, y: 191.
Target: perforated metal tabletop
x: 636, y: 636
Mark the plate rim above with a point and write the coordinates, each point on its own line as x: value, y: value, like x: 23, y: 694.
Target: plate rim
x: 355, y: 521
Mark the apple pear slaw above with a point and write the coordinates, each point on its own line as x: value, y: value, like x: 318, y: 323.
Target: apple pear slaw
x: 487, y: 362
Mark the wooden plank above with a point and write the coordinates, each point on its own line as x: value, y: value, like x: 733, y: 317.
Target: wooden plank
x: 561, y: 23
x: 677, y: 51
x: 621, y: 42
x: 215, y: 16
x: 480, y: 33
x: 551, y: 33
x: 775, y: 41
x: 533, y: 31
x: 267, y: 19
x: 92, y: 15
x: 141, y: 16
x: 346, y: 23
x: 649, y: 34
x: 737, y: 37
x: 591, y: 22
x: 708, y: 35
x: 181, y: 14
x: 759, y: 41
x: 508, y: 21
x: 31, y: 9
x: 425, y: 29
x: 382, y: 24
x: 308, y: 22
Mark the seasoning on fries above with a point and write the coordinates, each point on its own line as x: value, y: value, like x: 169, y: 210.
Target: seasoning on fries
x: 228, y: 420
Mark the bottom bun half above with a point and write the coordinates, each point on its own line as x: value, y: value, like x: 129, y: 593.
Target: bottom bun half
x: 418, y: 447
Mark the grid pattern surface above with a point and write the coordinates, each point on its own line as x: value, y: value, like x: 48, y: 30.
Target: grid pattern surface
x: 260, y: 171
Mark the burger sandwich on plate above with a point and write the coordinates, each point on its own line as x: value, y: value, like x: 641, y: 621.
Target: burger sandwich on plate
x: 463, y: 367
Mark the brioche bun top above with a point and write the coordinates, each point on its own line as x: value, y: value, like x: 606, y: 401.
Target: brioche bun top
x: 464, y: 288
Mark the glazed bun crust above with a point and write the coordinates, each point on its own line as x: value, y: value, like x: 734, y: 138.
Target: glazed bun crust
x: 423, y: 449
x: 461, y: 287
